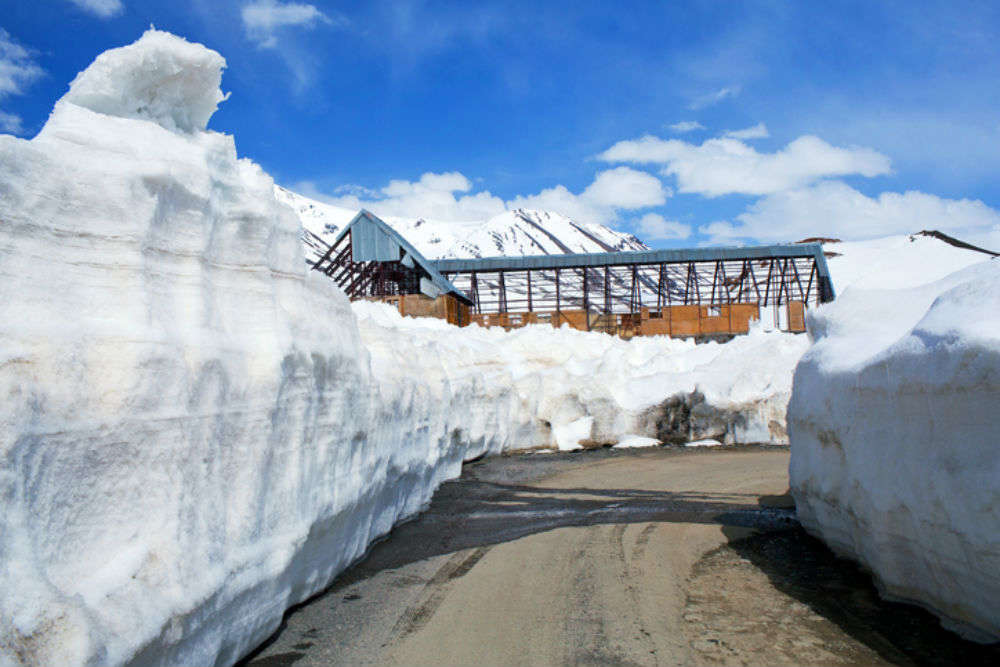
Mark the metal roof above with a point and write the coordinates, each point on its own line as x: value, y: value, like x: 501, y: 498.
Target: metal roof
x: 626, y: 258
x: 372, y: 240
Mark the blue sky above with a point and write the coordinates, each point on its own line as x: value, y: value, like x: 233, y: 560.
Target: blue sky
x: 849, y: 119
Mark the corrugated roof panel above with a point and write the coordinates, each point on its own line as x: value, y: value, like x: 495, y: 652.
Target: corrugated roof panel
x: 369, y: 243
x: 631, y: 257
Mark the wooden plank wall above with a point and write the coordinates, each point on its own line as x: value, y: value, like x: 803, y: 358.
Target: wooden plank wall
x: 677, y: 321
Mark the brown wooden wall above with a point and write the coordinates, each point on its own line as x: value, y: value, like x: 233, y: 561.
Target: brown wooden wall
x: 445, y: 307
x: 670, y: 321
x: 677, y: 321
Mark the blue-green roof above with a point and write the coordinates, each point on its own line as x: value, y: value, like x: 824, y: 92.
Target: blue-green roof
x: 372, y: 240
x: 672, y: 256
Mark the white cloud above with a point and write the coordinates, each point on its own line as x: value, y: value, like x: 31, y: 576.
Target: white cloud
x: 10, y: 123
x: 613, y: 190
x: 686, y: 126
x: 433, y: 196
x: 711, y: 99
x: 725, y: 166
x: 262, y: 19
x: 560, y: 200
x: 758, y: 131
x: 17, y: 71
x: 654, y: 227
x: 834, y: 209
x: 448, y: 197
x: 623, y: 187
x: 104, y: 9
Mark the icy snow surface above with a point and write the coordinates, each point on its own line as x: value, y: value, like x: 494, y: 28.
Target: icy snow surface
x: 633, y: 440
x: 197, y: 432
x: 896, y: 444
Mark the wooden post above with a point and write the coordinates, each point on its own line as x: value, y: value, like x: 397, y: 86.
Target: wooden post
x: 659, y: 289
x: 503, y: 294
x: 607, y: 289
x: 558, y: 310
x: 475, y: 294
x: 530, y: 308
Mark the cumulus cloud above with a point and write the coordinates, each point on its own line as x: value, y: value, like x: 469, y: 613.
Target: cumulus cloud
x: 613, y: 190
x: 449, y: 197
x: 434, y: 196
x: 713, y: 98
x: 686, y: 126
x: 654, y: 227
x: 104, y: 9
x: 263, y: 18
x: 726, y: 166
x: 835, y: 209
x: 626, y: 188
x: 17, y: 71
x: 758, y: 131
x: 11, y: 123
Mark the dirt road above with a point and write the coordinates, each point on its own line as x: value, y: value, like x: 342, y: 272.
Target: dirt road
x: 652, y: 557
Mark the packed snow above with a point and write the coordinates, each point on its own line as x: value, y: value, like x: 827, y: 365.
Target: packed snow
x: 584, y: 389
x: 895, y: 440
x: 895, y: 262
x: 198, y: 432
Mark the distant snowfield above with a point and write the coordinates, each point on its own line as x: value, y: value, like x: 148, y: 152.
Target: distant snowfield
x: 198, y: 432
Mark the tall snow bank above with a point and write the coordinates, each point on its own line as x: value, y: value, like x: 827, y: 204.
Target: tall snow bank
x: 191, y: 439
x: 896, y: 445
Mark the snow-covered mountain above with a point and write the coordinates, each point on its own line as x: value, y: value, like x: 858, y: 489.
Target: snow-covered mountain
x: 514, y: 233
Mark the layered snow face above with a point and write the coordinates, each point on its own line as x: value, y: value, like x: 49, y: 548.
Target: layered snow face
x: 191, y: 439
x: 513, y: 233
x: 579, y: 388
x: 895, y: 442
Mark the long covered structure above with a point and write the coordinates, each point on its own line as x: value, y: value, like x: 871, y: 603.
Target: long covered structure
x: 702, y: 292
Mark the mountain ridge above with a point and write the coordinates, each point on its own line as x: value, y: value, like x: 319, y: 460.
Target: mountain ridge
x: 515, y: 232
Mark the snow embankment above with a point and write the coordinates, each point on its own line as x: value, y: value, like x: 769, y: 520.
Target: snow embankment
x: 580, y: 388
x: 896, y: 444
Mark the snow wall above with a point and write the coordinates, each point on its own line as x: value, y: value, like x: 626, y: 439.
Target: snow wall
x: 895, y: 441
x: 197, y: 433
